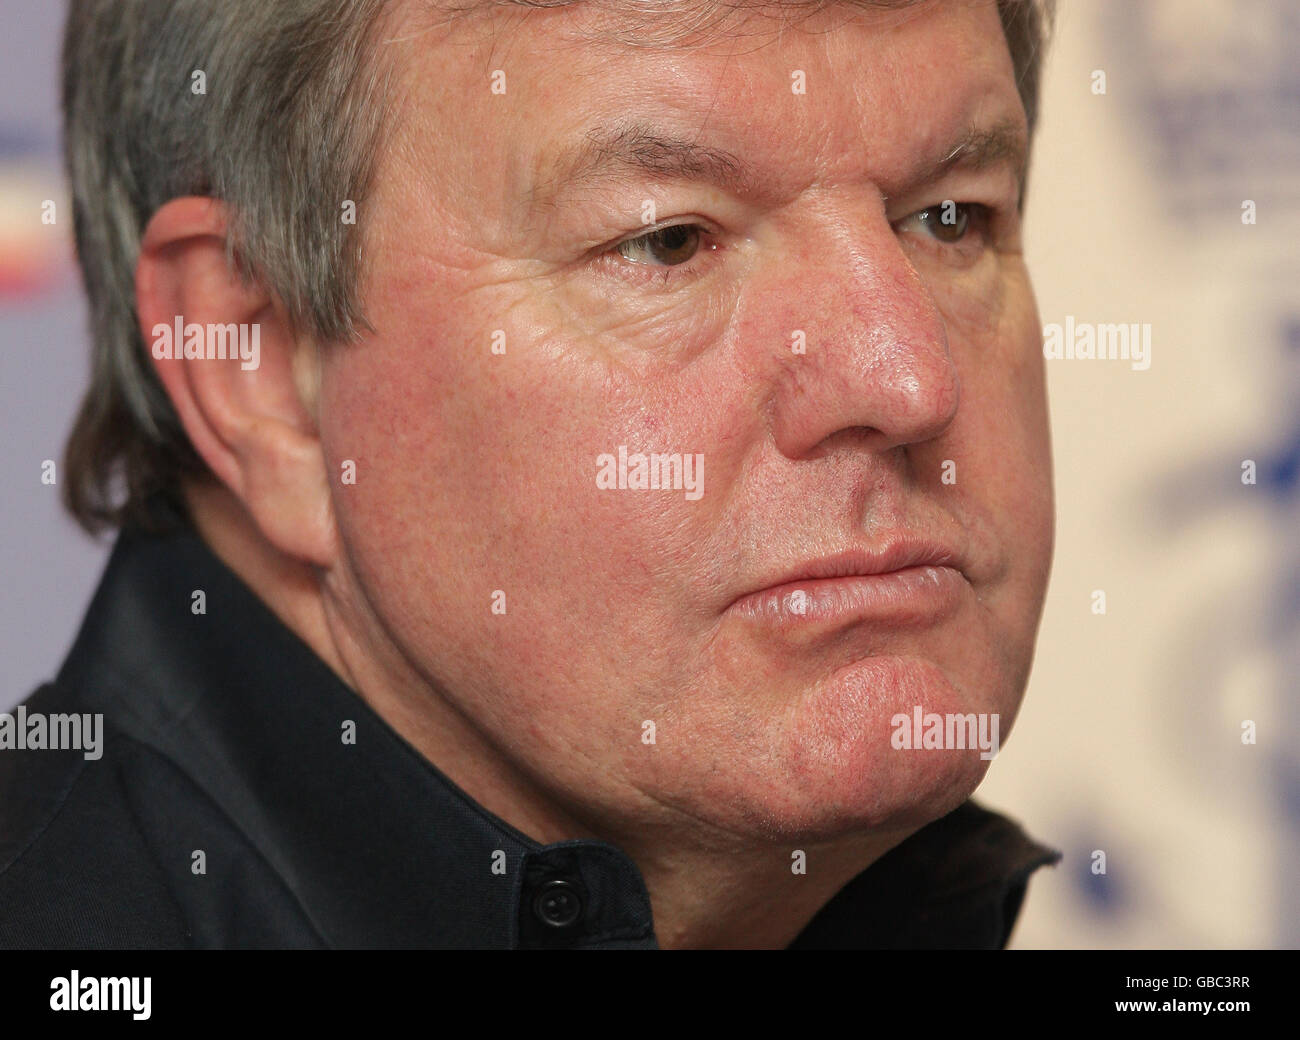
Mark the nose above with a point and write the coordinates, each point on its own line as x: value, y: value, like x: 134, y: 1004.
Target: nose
x: 875, y: 357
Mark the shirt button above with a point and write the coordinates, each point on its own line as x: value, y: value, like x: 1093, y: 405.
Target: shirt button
x: 557, y: 904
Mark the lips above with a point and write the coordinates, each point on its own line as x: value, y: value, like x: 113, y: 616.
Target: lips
x: 906, y: 582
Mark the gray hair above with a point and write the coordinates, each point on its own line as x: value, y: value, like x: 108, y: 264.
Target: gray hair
x: 288, y: 129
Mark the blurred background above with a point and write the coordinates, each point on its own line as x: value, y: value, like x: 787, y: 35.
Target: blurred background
x: 1163, y: 733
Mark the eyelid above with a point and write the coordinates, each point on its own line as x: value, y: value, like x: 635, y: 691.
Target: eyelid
x: 664, y: 225
x: 983, y: 217
x: 979, y: 240
x: 969, y: 204
x: 608, y: 255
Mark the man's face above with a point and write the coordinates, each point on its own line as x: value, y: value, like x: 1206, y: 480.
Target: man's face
x: 859, y: 378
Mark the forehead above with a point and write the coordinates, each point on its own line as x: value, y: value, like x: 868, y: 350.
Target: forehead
x: 797, y: 90
x: 660, y: 23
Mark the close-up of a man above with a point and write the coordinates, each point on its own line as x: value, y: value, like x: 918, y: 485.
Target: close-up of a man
x: 582, y: 471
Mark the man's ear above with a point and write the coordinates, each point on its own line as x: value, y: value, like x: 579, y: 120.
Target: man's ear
x: 245, y: 415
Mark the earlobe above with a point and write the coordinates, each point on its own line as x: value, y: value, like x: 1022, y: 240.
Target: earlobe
x: 236, y: 372
x: 286, y: 490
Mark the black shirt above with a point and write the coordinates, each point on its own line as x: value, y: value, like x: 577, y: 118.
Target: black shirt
x: 227, y: 810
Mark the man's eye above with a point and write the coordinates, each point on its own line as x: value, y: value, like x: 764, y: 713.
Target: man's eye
x: 948, y: 222
x: 663, y: 247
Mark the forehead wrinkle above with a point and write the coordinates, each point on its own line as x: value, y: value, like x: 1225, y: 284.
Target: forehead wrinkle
x: 638, y: 146
x: 665, y: 23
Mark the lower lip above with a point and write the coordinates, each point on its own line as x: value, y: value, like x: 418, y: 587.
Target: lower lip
x: 916, y: 595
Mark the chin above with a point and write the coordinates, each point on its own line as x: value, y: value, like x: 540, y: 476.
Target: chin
x: 835, y: 768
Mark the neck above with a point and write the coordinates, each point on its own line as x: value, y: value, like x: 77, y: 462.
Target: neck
x: 706, y: 889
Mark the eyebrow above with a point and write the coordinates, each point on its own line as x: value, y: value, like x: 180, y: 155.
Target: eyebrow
x: 980, y: 148
x: 641, y: 148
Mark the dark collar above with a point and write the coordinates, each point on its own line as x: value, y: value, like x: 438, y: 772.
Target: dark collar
x: 377, y: 847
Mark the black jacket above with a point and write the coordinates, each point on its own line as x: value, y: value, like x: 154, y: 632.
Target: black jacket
x: 227, y: 811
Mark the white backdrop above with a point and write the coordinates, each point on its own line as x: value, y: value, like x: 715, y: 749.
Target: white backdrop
x: 1131, y: 738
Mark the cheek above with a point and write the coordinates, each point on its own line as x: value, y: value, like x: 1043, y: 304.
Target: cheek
x: 1023, y: 469
x: 1020, y: 478
x: 1002, y: 446
x: 1003, y: 418
x: 478, y: 475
